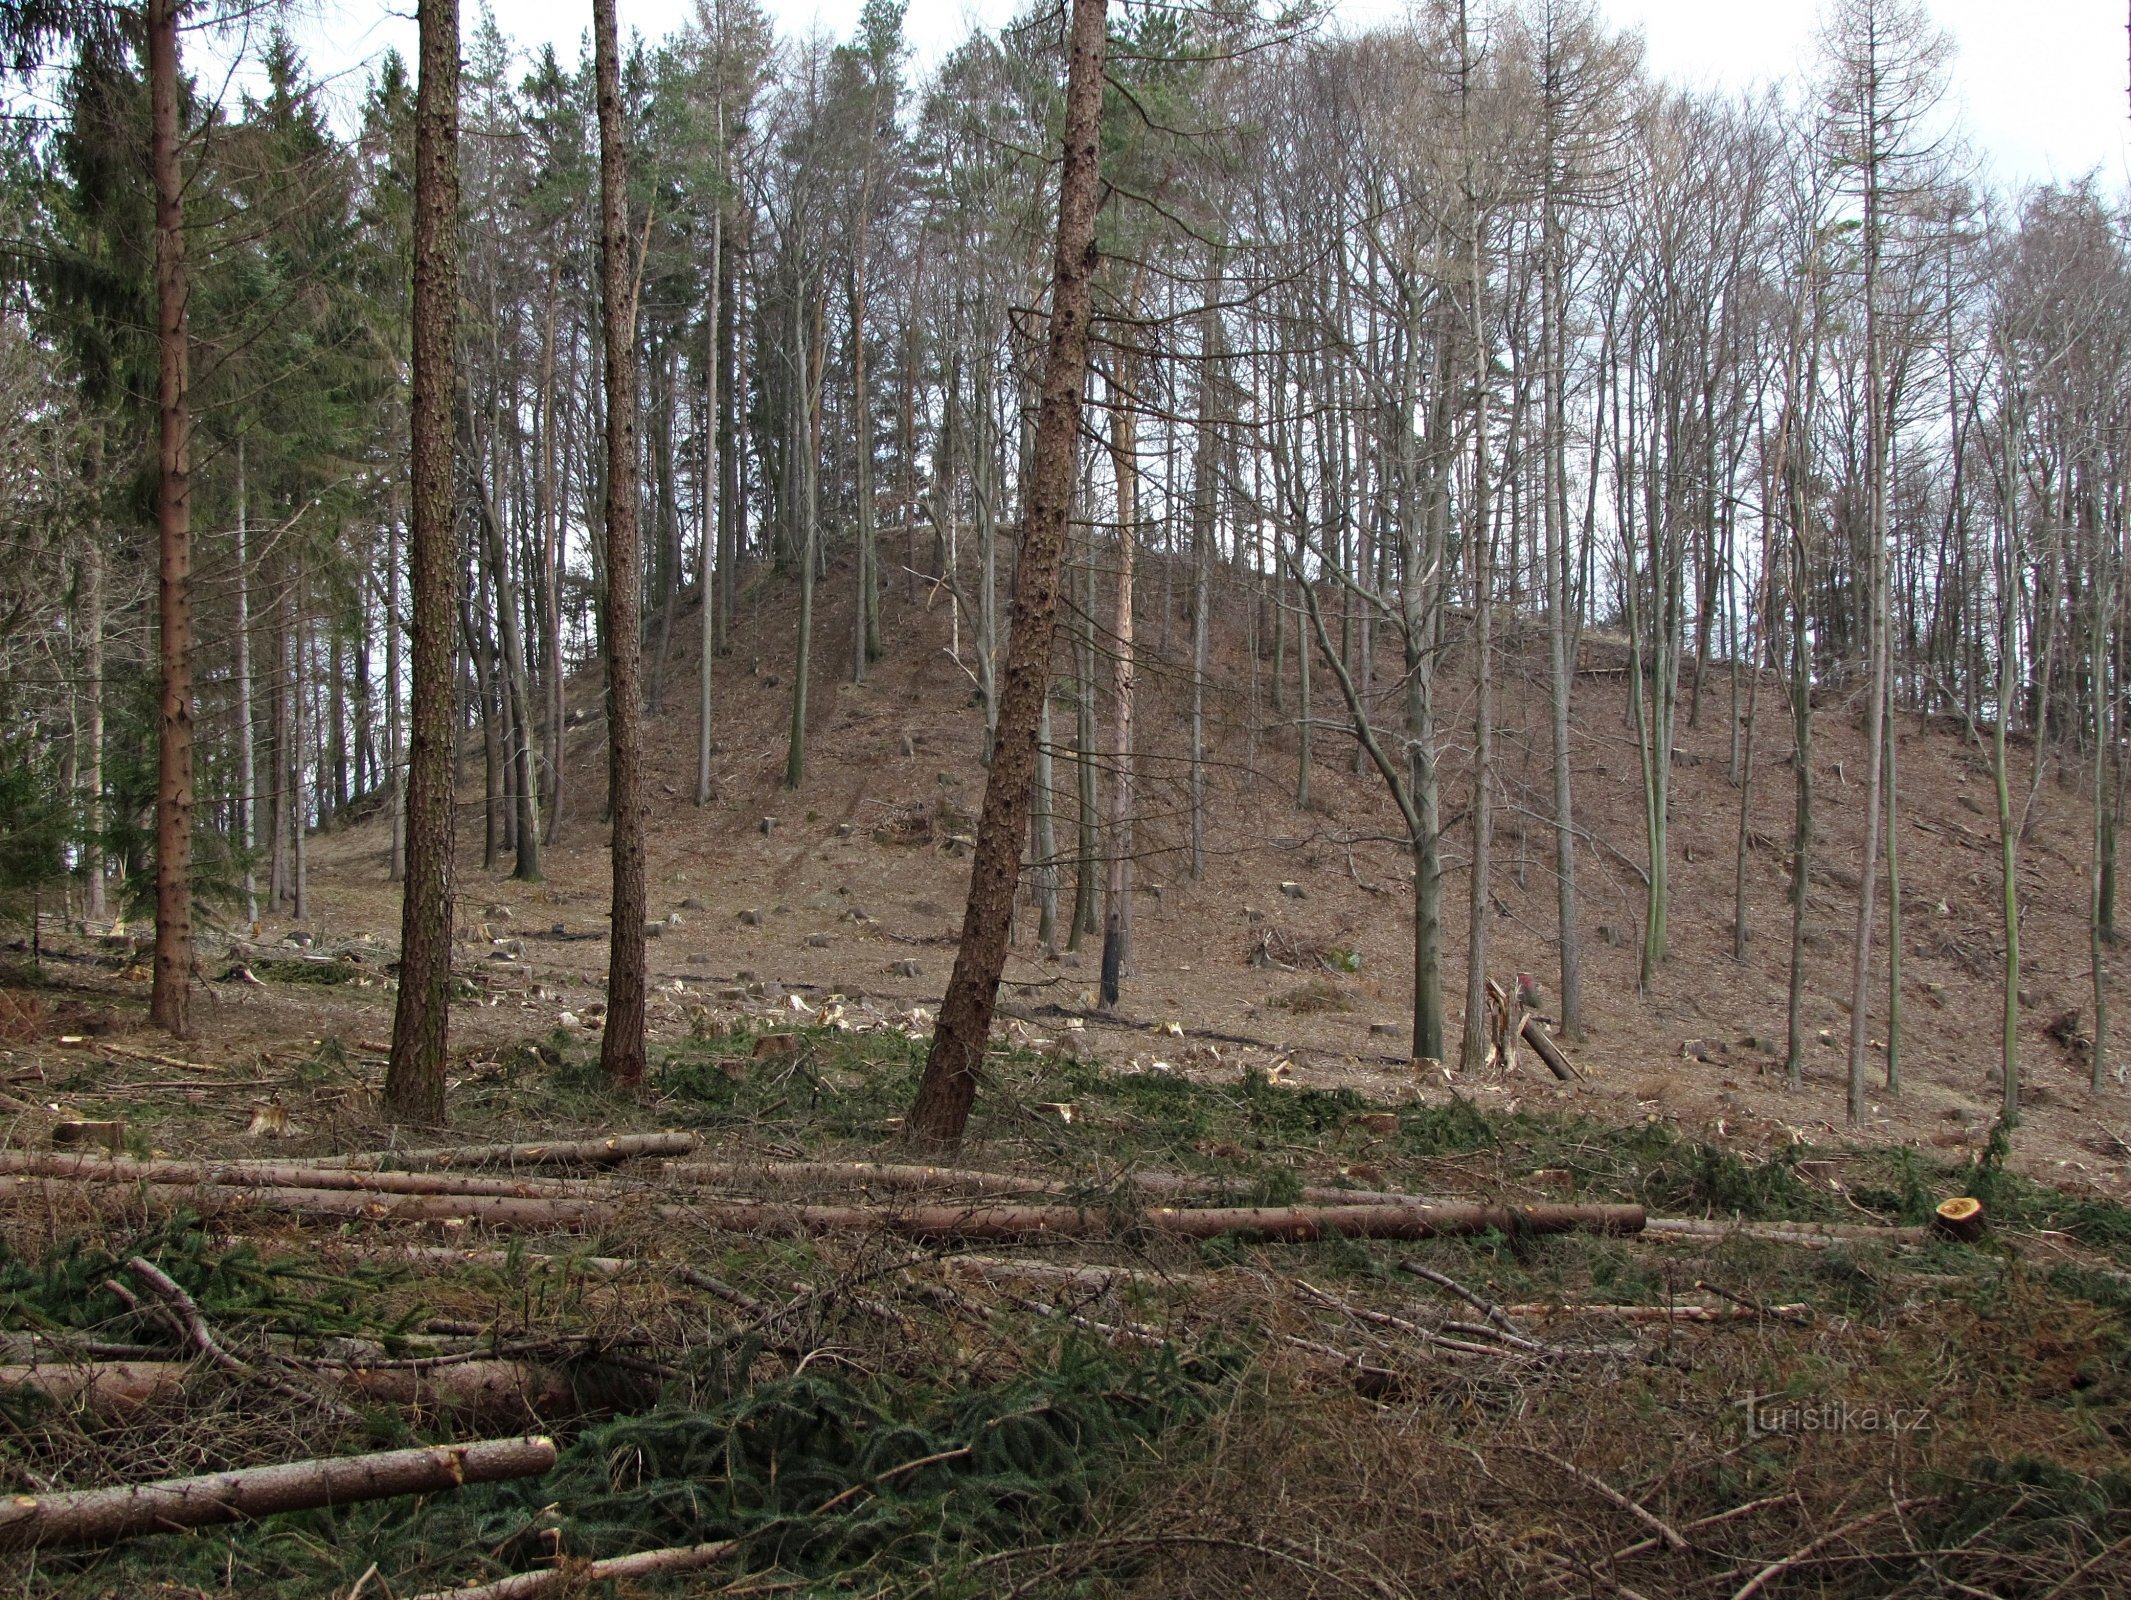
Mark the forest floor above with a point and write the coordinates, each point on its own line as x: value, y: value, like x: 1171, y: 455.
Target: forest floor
x: 1127, y: 1412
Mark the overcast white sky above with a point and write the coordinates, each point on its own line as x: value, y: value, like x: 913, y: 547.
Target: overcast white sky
x: 2042, y: 83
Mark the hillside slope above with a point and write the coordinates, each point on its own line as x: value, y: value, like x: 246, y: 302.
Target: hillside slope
x: 813, y: 902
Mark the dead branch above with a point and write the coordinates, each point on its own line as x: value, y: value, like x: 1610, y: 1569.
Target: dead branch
x: 186, y: 1312
x: 102, y: 1516
x: 1672, y: 1538
x: 1805, y: 1553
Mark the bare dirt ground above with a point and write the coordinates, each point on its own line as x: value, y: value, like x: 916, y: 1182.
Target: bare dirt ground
x: 773, y: 898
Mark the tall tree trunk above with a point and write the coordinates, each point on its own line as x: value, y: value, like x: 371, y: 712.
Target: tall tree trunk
x: 1045, y: 835
x: 1117, y: 915
x: 170, y: 1004
x: 1560, y: 632
x: 1089, y: 842
x: 707, y: 541
x: 298, y: 652
x: 1474, y: 1049
x: 621, y: 1054
x: 524, y: 781
x: 806, y: 479
x: 1894, y: 916
x: 551, y: 561
x: 414, y: 1079
x: 91, y: 770
x: 395, y: 741
x: 1876, y: 644
x: 941, y: 1109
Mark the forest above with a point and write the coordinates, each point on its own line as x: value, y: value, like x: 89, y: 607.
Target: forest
x: 1421, y: 499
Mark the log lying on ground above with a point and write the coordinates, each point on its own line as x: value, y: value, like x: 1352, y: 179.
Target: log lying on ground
x: 911, y: 1177
x: 101, y: 1516
x: 1677, y: 1313
x: 1813, y: 1235
x: 442, y: 1255
x: 644, y: 1564
x: 574, y: 1152
x: 769, y: 1219
x: 1543, y: 1046
x: 487, y: 1387
x: 288, y: 1175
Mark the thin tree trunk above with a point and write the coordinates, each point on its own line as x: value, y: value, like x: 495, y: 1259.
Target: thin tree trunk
x: 298, y: 648
x: 621, y: 1055
x: 1089, y: 840
x: 395, y: 775
x: 1117, y: 915
x: 170, y: 1004
x: 707, y: 543
x: 1894, y: 919
x: 803, y: 440
x: 1561, y: 675
x: 91, y: 772
x: 1045, y: 844
x: 551, y: 559
x: 941, y: 1109
x: 414, y: 1079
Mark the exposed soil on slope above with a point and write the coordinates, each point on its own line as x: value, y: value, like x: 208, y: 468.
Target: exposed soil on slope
x: 774, y: 898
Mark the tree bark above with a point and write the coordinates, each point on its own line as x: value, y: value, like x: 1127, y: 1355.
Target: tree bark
x: 169, y: 1005
x: 621, y: 1051
x: 945, y: 1094
x: 414, y: 1079
x: 91, y: 768
x: 1117, y: 913
x: 707, y: 548
x: 102, y: 1516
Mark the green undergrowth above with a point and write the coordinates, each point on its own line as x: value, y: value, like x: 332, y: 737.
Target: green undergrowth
x: 827, y: 1478
x: 1084, y: 1119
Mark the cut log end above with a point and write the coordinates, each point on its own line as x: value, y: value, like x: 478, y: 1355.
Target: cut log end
x: 1960, y: 1218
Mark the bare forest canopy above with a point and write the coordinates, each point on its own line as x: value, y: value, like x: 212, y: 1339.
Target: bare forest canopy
x: 1398, y: 339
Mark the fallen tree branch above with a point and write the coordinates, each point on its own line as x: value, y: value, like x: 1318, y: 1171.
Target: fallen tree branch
x: 644, y: 1564
x: 1671, y: 1537
x: 1805, y: 1553
x: 186, y: 1311
x: 103, y: 1516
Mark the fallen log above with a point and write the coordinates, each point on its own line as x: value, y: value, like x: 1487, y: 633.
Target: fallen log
x: 1682, y: 1313
x: 517, y: 1260
x: 288, y: 1175
x: 644, y: 1564
x: 1813, y: 1235
x: 575, y: 1152
x: 769, y: 1219
x: 910, y: 1177
x: 1543, y: 1046
x: 485, y: 1386
x: 102, y: 1516
x: 869, y: 1174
